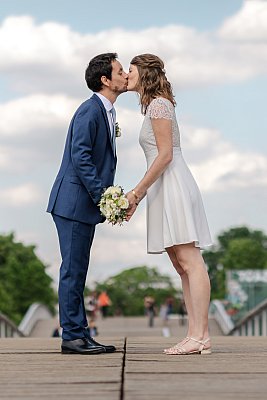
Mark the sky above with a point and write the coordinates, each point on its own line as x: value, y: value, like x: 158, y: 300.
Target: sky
x: 215, y: 56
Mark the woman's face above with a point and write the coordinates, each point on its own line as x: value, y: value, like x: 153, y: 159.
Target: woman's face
x: 133, y: 78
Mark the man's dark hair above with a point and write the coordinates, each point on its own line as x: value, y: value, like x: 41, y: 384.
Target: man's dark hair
x: 99, y: 66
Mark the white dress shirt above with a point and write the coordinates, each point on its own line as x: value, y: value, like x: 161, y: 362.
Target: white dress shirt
x: 108, y: 106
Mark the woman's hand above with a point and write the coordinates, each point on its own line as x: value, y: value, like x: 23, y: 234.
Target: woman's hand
x: 133, y: 203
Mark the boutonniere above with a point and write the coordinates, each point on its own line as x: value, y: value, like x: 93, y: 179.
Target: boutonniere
x: 117, y: 130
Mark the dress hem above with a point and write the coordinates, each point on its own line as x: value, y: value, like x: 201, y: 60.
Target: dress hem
x: 196, y: 242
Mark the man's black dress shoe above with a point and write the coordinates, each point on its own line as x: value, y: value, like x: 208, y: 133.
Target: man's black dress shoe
x: 81, y: 346
x: 108, y: 348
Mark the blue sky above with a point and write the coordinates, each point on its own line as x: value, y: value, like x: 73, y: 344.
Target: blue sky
x: 87, y: 16
x: 215, y: 55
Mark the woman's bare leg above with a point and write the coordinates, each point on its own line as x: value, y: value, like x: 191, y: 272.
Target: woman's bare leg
x: 196, y: 286
x: 185, y: 287
x: 190, y: 259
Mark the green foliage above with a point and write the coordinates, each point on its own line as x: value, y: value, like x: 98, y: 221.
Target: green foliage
x: 244, y: 254
x: 216, y: 273
x: 242, y: 232
x: 128, y: 289
x: 238, y: 248
x: 23, y: 279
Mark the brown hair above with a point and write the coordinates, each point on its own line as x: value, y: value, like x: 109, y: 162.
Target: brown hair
x: 152, y: 80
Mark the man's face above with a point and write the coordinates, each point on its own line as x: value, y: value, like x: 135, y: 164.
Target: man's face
x: 119, y: 78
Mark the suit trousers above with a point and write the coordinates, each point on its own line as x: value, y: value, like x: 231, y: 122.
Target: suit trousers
x: 75, y: 241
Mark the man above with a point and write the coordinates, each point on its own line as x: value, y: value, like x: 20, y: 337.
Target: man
x: 88, y: 166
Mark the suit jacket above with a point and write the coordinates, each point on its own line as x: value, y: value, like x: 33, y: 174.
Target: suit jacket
x: 88, y: 165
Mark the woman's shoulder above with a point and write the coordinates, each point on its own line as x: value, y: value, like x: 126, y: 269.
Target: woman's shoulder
x: 160, y: 107
x: 161, y: 100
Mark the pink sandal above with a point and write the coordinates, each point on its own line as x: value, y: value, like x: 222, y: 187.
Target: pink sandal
x: 179, y: 344
x: 180, y: 350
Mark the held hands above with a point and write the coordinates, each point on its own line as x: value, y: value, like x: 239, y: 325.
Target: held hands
x: 133, y: 203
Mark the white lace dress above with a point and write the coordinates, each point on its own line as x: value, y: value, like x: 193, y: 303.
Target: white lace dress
x: 175, y: 212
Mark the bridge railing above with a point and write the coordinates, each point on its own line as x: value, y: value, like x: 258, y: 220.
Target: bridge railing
x: 254, y: 323
x: 35, y: 313
x: 8, y: 328
x: 221, y: 317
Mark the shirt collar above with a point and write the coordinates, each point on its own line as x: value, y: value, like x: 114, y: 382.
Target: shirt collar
x: 107, y: 104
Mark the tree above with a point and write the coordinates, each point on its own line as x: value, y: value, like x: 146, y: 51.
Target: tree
x: 241, y: 232
x: 216, y: 273
x: 244, y: 254
x: 238, y: 248
x: 23, y: 279
x: 128, y: 289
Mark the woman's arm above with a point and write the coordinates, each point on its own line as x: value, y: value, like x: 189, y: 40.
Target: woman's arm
x: 162, y: 129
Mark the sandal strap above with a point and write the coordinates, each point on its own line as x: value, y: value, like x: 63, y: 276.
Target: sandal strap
x: 200, y: 341
x: 180, y: 350
x: 197, y: 341
x: 177, y: 346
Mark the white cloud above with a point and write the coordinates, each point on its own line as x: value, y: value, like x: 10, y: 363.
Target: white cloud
x: 3, y: 158
x: 231, y: 170
x: 51, y: 58
x: 34, y: 114
x: 22, y: 40
x: 20, y: 196
x: 46, y: 63
x: 218, y: 165
x: 249, y: 24
x: 33, y: 131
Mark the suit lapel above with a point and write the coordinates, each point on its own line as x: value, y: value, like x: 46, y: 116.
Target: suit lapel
x: 104, y: 112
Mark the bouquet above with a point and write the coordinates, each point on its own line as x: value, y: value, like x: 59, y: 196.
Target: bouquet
x: 113, y: 205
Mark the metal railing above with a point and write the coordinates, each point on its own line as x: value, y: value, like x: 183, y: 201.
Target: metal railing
x: 8, y: 328
x: 254, y: 323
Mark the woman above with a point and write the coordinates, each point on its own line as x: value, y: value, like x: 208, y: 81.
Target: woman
x: 176, y: 220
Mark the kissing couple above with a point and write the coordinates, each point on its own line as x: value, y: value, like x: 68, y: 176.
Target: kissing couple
x: 176, y: 220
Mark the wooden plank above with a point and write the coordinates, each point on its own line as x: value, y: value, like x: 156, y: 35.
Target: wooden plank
x: 47, y: 345
x: 195, y: 387
x: 237, y: 369
x: 35, y: 369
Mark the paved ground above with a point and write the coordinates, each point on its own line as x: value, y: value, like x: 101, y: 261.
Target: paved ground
x: 129, y: 327
x: 33, y: 368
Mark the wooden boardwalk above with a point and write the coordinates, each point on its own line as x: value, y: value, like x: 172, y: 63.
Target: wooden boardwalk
x: 33, y: 368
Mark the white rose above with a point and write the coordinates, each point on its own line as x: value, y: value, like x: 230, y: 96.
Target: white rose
x: 123, y: 203
x: 111, y: 190
x: 108, y: 209
x: 116, y: 190
x: 113, y: 205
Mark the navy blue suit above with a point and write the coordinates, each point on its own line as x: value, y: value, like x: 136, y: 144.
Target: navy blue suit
x: 87, y: 168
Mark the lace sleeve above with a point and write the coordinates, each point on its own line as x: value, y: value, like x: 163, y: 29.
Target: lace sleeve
x: 160, y: 108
